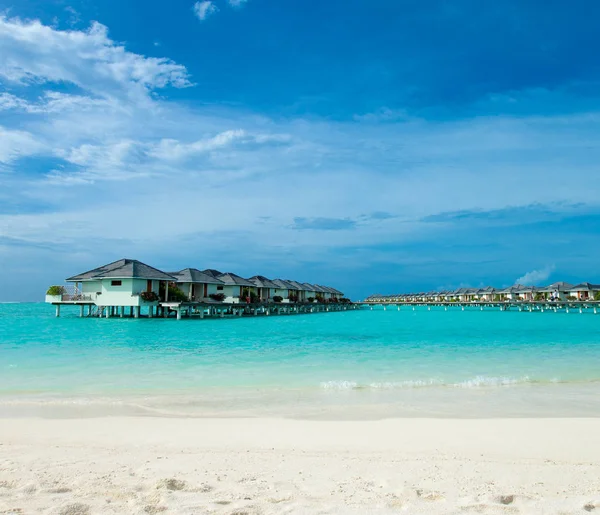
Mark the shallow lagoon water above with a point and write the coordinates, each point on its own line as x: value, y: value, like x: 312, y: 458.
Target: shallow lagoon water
x: 357, y: 364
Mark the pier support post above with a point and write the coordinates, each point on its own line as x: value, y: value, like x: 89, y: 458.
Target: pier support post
x: 150, y: 311
x: 121, y: 311
x: 201, y: 313
x: 81, y: 311
x: 57, y: 310
x: 221, y: 314
x: 137, y: 312
x: 107, y: 315
x: 90, y: 310
x: 131, y: 311
x: 178, y: 311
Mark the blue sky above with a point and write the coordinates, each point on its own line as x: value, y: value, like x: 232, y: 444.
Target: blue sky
x: 376, y: 146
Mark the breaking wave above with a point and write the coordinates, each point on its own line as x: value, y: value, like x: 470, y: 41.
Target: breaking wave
x: 475, y: 382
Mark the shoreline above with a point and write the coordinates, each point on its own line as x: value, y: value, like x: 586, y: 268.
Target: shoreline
x: 267, y: 465
x: 512, y: 401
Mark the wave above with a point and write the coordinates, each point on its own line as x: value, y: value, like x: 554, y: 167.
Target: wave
x: 475, y: 382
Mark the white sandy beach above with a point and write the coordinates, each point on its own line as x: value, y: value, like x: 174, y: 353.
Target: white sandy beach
x: 251, y: 466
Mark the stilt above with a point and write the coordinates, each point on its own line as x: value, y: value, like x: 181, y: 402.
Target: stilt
x: 131, y: 311
x: 81, y: 311
x: 178, y: 311
x: 221, y: 314
x: 150, y: 311
x: 107, y: 312
x: 201, y: 313
x: 122, y: 311
x: 89, y: 310
x: 57, y: 310
x: 137, y: 311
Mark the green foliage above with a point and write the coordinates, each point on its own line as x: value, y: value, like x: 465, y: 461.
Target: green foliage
x: 293, y: 297
x: 597, y: 295
x: 310, y: 299
x: 571, y: 297
x: 539, y: 297
x: 175, y: 294
x: 320, y: 298
x: 246, y: 293
x: 277, y: 298
x: 149, y: 296
x: 56, y: 290
x: 219, y: 297
x: 345, y: 300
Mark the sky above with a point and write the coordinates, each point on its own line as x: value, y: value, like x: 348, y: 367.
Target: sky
x: 377, y: 146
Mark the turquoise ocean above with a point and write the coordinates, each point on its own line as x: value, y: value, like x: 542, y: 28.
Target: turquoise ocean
x: 356, y: 364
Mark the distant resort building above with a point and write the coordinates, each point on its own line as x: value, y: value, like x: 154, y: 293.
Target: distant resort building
x: 558, y: 291
x: 129, y: 283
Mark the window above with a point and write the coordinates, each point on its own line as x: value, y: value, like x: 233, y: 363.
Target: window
x: 116, y: 283
x: 219, y: 288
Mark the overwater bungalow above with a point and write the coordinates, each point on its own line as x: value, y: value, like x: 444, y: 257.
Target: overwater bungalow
x: 123, y: 283
x: 285, y: 289
x: 300, y: 290
x: 309, y: 290
x: 233, y: 287
x: 526, y: 293
x: 486, y: 294
x: 584, y: 291
x: 265, y: 288
x: 197, y: 285
x: 511, y: 293
x: 558, y: 290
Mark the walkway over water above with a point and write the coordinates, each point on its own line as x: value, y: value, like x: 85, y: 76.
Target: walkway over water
x: 201, y: 310
x: 522, y: 305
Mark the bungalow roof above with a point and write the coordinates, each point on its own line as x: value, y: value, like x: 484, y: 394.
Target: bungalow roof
x: 558, y: 286
x: 296, y: 284
x: 284, y: 285
x: 230, y: 279
x: 193, y: 275
x: 326, y: 289
x: 262, y: 282
x: 311, y: 287
x: 585, y: 287
x: 123, y: 269
x: 213, y: 272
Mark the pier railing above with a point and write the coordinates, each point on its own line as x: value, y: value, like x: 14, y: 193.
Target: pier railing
x: 73, y: 294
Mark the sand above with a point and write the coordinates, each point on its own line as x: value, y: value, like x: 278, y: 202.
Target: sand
x: 247, y: 466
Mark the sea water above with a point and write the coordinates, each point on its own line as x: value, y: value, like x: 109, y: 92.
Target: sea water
x: 355, y: 364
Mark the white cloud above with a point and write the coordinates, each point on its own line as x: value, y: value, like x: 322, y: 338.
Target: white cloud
x: 204, y: 9
x: 535, y: 277
x: 195, y: 172
x: 34, y: 53
x: 15, y: 144
x: 237, y: 3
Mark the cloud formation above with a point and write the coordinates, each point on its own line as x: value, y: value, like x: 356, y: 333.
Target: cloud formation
x: 204, y: 9
x: 535, y: 277
x: 96, y: 140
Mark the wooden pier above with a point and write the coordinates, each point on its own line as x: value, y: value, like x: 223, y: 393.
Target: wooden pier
x: 566, y: 306
x: 201, y: 310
